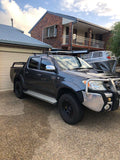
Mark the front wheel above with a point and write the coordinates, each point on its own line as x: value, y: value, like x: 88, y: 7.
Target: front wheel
x: 18, y: 89
x: 69, y: 109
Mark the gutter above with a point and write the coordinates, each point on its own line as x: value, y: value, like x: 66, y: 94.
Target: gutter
x: 25, y: 44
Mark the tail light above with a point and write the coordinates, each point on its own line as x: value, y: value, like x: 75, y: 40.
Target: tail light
x: 108, y: 57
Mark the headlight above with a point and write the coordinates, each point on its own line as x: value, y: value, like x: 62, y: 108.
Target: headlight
x: 96, y: 85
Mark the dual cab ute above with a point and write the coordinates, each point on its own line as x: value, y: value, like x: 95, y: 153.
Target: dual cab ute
x: 67, y: 81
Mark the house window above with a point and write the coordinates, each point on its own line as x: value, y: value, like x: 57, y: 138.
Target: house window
x: 50, y: 31
x: 75, y: 31
x: 67, y: 30
x: 86, y: 34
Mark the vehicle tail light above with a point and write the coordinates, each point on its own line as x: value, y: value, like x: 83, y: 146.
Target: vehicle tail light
x: 108, y: 57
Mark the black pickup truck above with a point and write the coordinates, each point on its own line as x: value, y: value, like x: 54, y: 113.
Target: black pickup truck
x: 67, y: 81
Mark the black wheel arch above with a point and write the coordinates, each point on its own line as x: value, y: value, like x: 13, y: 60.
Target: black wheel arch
x: 77, y: 94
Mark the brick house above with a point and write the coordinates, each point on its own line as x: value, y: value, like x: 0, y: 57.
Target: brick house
x: 70, y: 33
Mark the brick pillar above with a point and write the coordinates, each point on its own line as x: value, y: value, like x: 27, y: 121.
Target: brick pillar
x: 70, y: 36
x: 60, y: 30
x: 90, y: 36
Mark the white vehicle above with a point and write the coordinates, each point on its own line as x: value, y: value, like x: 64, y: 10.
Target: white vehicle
x: 102, y: 60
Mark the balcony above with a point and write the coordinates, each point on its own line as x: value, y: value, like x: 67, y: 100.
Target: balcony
x: 83, y: 41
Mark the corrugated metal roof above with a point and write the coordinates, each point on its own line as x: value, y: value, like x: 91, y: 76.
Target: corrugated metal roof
x: 11, y: 35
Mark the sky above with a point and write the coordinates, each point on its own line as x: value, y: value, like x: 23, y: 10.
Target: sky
x: 26, y: 13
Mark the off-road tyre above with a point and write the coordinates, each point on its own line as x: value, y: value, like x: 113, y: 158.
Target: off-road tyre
x: 18, y: 89
x: 70, y: 109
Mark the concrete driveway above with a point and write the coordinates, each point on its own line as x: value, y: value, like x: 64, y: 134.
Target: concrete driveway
x: 33, y: 130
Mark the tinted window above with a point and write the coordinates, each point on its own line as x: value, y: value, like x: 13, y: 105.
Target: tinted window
x: 44, y: 63
x: 86, y: 56
x: 34, y: 63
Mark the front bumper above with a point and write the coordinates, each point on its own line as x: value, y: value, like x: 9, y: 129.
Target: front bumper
x: 101, y: 101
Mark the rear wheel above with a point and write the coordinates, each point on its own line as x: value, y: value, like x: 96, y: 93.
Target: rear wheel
x: 18, y: 89
x: 69, y: 109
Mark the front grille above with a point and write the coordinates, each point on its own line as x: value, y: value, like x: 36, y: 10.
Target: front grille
x: 117, y: 85
x: 107, y: 85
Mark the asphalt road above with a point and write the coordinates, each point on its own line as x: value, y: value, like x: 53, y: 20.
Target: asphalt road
x: 33, y: 130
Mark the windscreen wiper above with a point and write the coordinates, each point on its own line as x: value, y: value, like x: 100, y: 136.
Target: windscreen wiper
x: 81, y: 68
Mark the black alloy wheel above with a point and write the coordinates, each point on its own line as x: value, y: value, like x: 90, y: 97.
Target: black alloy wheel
x: 70, y: 110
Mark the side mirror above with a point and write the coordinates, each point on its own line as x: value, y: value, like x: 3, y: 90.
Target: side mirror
x: 50, y: 68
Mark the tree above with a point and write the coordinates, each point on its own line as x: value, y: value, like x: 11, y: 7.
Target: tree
x: 114, y: 42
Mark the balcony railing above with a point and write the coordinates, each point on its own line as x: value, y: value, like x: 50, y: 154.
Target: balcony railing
x: 83, y: 41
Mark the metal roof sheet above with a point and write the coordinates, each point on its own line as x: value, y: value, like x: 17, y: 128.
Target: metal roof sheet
x: 11, y: 35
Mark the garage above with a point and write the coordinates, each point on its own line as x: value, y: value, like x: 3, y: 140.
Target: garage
x: 6, y: 60
x: 15, y: 46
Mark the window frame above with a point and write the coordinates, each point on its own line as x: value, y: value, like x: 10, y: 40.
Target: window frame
x: 47, y: 32
x: 38, y: 68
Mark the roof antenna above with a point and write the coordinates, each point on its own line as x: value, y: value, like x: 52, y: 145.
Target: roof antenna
x: 12, y: 22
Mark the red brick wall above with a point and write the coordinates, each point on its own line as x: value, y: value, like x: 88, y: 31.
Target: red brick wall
x: 70, y: 40
x: 49, y: 20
